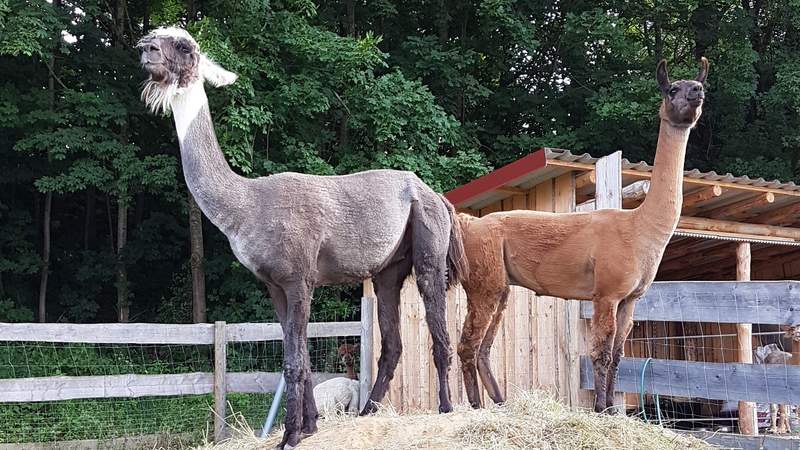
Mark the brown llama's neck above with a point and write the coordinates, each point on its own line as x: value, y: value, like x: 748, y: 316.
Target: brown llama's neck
x: 658, y: 215
x: 351, y: 373
x: 218, y: 190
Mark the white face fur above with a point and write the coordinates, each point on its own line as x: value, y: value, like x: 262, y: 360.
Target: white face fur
x: 175, y: 64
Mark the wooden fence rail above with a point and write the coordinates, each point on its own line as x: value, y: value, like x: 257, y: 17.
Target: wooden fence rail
x: 764, y: 302
x: 220, y: 382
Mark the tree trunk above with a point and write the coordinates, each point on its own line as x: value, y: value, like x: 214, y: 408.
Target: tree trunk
x: 48, y: 203
x: 442, y: 22
x: 123, y: 306
x: 146, y: 18
x: 351, y: 17
x: 198, y: 271
x: 89, y: 225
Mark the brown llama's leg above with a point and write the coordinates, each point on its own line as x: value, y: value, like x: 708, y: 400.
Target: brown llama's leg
x: 295, y: 361
x: 603, y: 330
x: 388, y: 284
x: 773, y: 418
x: 484, y: 367
x: 624, y: 327
x: 479, y: 314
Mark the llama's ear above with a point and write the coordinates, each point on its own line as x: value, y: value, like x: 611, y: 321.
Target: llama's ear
x: 662, y: 76
x: 214, y: 74
x: 701, y: 76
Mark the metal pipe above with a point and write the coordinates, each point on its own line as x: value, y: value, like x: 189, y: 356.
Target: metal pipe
x: 273, y: 409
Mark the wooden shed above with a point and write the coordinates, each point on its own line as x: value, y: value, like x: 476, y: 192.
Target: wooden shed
x: 542, y: 339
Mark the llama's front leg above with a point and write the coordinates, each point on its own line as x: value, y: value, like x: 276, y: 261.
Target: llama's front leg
x: 603, y: 330
x: 773, y: 418
x: 295, y: 362
x: 624, y: 327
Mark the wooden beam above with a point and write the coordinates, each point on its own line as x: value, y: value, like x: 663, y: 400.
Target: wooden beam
x: 742, y: 207
x: 698, y: 258
x: 767, y: 302
x: 704, y: 224
x: 586, y: 179
x: 632, y: 195
x: 220, y: 386
x: 512, y: 190
x: 699, y: 182
x: 786, y: 215
x: 692, y: 200
x: 744, y: 337
x: 258, y: 332
x: 762, y: 383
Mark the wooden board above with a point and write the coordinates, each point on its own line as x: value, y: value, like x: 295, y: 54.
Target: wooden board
x: 152, y: 333
x: 765, y: 302
x: 763, y: 383
x: 365, y: 374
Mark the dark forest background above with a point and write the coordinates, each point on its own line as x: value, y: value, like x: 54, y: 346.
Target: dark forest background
x: 95, y: 220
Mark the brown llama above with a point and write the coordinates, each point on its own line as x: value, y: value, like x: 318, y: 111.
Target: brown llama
x: 608, y: 256
x: 347, y: 353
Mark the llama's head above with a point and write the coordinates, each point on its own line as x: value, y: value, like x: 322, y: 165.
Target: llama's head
x: 683, y: 99
x: 347, y: 352
x: 174, y: 62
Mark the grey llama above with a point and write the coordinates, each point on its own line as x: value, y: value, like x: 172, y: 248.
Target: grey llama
x: 296, y: 232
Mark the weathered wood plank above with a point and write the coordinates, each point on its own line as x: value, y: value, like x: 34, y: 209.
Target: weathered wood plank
x: 763, y: 383
x: 43, y: 389
x: 765, y: 302
x: 608, y: 193
x: 262, y: 382
x: 742, y: 442
x: 153, y: 333
x: 220, y: 386
x: 366, y: 349
x: 109, y: 333
x: 255, y: 332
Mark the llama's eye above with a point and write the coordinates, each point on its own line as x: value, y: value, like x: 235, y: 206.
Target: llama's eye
x: 673, y: 91
x: 183, y: 48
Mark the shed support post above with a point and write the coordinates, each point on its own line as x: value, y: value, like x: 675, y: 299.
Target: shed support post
x: 608, y: 195
x: 744, y: 337
x: 365, y: 346
x: 220, y: 367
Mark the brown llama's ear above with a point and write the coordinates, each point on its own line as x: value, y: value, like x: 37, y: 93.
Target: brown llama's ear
x: 701, y: 76
x: 662, y: 77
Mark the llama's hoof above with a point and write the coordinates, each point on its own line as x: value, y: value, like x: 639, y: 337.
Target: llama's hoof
x: 369, y: 408
x: 443, y: 409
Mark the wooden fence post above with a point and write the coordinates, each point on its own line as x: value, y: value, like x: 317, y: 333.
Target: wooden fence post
x: 220, y: 368
x: 365, y: 346
x: 744, y: 335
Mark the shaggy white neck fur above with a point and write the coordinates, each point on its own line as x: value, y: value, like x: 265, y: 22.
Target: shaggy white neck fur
x: 185, y: 105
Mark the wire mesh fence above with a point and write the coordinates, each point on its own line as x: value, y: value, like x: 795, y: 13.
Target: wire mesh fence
x: 188, y: 417
x: 707, y: 342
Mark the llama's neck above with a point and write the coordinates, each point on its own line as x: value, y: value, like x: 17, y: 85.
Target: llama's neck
x: 218, y: 190
x: 659, y: 213
x: 351, y: 373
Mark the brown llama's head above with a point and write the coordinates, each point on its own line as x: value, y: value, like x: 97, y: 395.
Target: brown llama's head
x: 683, y: 99
x: 347, y: 352
x: 174, y: 62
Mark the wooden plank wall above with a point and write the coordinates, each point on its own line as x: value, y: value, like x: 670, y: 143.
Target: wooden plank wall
x: 538, y: 345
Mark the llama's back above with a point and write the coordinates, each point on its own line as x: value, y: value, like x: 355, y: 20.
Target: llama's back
x: 335, y: 395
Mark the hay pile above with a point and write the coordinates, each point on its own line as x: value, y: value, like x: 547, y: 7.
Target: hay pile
x: 532, y: 420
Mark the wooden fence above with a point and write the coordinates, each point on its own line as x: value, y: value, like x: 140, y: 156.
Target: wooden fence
x: 219, y: 382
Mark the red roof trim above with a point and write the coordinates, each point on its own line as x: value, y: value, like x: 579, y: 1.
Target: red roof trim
x: 498, y: 178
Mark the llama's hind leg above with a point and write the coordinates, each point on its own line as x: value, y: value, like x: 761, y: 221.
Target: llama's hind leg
x: 484, y: 366
x: 388, y: 284
x: 434, y: 296
x: 479, y: 315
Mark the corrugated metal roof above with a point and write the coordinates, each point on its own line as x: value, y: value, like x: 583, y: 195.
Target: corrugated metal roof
x: 641, y: 166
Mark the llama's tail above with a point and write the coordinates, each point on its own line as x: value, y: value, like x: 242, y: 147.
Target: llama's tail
x: 457, y: 265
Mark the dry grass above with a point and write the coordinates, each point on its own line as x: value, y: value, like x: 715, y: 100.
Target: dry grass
x: 530, y: 421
